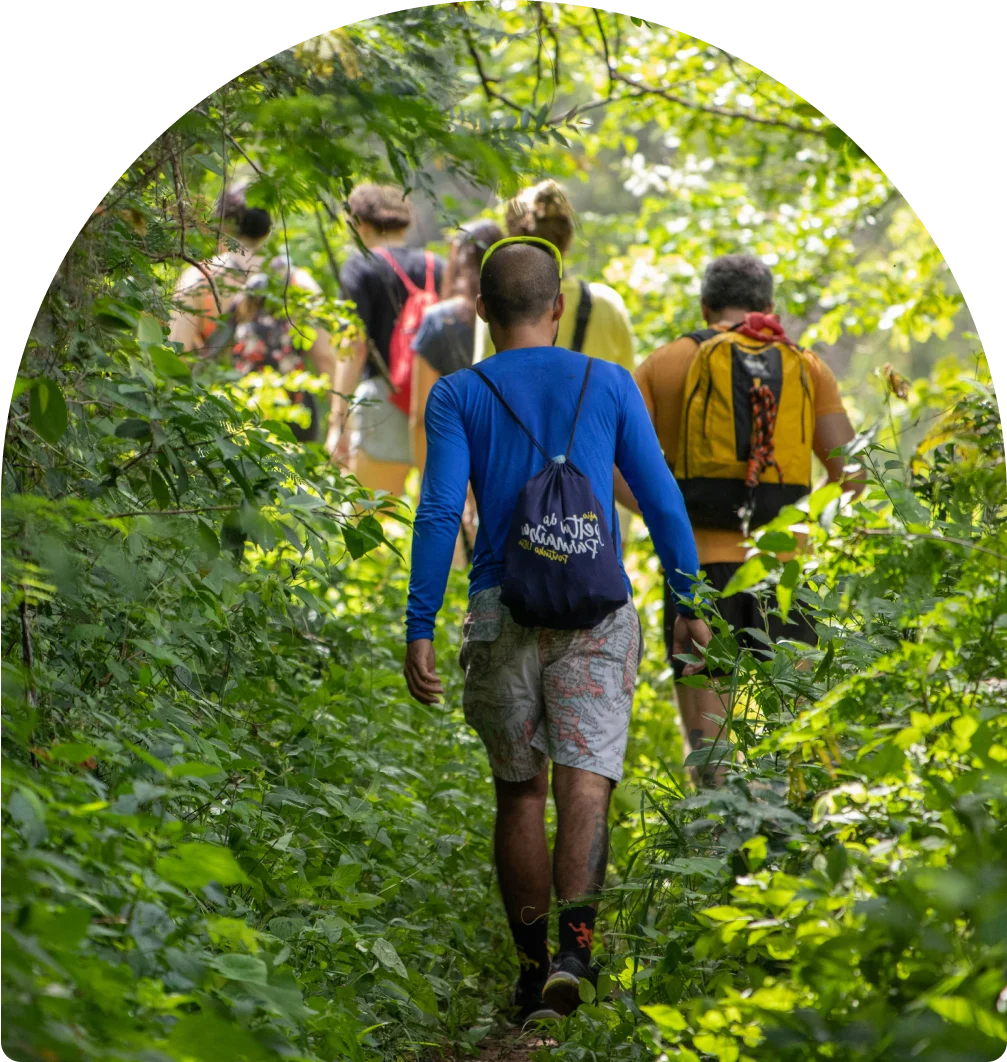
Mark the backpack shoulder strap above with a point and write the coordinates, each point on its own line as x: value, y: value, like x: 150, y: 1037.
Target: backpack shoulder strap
x: 411, y: 288
x: 493, y: 387
x: 583, y: 314
x: 701, y: 335
x: 580, y: 402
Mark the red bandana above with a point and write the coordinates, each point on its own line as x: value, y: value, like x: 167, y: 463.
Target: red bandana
x: 764, y: 326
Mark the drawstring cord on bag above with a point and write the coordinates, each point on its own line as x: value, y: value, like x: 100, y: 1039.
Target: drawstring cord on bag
x: 763, y: 445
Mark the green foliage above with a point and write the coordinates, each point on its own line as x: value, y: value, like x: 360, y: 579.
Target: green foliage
x: 842, y: 896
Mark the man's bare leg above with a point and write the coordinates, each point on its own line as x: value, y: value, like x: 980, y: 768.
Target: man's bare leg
x: 579, y: 864
x: 581, y: 856
x: 702, y: 714
x: 523, y: 871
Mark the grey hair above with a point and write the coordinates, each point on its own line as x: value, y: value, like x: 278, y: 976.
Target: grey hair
x: 737, y: 280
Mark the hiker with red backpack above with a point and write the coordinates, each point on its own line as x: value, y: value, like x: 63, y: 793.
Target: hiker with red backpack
x: 739, y: 409
x: 392, y: 285
x: 551, y: 641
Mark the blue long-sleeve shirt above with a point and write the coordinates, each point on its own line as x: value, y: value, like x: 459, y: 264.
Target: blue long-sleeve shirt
x: 471, y: 436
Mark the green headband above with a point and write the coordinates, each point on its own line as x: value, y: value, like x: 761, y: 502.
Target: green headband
x: 525, y: 239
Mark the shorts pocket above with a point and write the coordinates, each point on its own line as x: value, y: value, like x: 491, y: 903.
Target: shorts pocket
x: 483, y: 621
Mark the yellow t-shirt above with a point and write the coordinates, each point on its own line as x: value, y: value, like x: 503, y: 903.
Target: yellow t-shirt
x: 608, y: 336
x: 661, y: 379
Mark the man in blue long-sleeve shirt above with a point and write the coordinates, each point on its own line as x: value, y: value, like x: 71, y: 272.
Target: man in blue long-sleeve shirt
x: 534, y: 694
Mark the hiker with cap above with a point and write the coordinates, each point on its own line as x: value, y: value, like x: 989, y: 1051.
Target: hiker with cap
x: 739, y: 409
x: 551, y: 641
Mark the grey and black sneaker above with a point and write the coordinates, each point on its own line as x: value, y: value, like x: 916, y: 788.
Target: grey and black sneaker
x: 526, y: 1003
x: 561, y: 992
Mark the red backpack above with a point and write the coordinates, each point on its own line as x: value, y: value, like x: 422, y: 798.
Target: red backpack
x: 400, y: 349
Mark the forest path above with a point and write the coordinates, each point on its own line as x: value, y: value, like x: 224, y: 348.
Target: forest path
x: 510, y: 1047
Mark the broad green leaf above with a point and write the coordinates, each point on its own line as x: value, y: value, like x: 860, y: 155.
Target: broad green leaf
x: 159, y: 489
x: 207, y: 1038
x: 240, y: 967
x: 753, y: 571
x: 386, y: 954
x: 133, y: 428
x: 27, y: 811
x: 148, y: 330
x: 666, y: 1017
x: 356, y: 544
x: 207, y: 540
x: 776, y: 542
x: 168, y: 364
x: 785, y: 586
x: 724, y: 913
x: 195, y: 864
x: 285, y: 928
x: 837, y: 861
x: 345, y: 876
x: 194, y: 770
x: 47, y: 408
x: 822, y: 497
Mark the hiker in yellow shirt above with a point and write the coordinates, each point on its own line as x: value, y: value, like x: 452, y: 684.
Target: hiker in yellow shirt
x: 596, y: 322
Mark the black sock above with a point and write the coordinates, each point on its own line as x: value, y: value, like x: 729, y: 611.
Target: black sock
x: 532, y: 942
x: 576, y: 931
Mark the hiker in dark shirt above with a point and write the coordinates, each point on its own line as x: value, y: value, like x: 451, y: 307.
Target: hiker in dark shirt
x: 376, y: 447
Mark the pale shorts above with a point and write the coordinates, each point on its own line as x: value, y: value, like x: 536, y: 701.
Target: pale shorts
x: 378, y: 428
x: 534, y: 694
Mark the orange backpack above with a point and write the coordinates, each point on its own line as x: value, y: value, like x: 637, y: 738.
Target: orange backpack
x: 400, y: 349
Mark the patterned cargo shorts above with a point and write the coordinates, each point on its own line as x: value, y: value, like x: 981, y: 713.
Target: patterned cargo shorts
x: 535, y: 695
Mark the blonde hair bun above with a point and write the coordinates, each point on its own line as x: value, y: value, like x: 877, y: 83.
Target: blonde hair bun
x: 542, y: 210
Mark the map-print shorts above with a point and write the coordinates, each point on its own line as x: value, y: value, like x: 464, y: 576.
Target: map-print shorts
x: 535, y: 695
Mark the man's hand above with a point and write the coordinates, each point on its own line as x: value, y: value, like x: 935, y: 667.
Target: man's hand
x: 421, y: 672
x: 691, y: 636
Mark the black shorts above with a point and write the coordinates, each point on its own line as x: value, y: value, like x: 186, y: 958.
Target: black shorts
x: 740, y: 611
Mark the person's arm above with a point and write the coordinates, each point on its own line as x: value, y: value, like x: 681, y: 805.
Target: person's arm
x: 424, y: 378
x: 642, y: 377
x: 435, y: 530
x: 639, y: 458
x: 348, y: 369
x: 832, y: 425
x: 186, y: 327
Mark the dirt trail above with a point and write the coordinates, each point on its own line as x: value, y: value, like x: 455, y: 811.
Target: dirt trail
x: 512, y: 1048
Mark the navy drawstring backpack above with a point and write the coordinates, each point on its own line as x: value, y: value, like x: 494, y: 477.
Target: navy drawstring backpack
x: 560, y: 564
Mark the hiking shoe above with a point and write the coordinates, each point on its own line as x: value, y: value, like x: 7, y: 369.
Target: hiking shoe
x: 526, y: 1003
x: 562, y: 987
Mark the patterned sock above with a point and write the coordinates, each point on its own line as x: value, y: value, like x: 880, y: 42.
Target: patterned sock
x: 576, y: 931
x: 531, y: 942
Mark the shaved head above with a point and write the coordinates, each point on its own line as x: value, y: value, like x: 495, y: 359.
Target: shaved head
x: 519, y: 284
